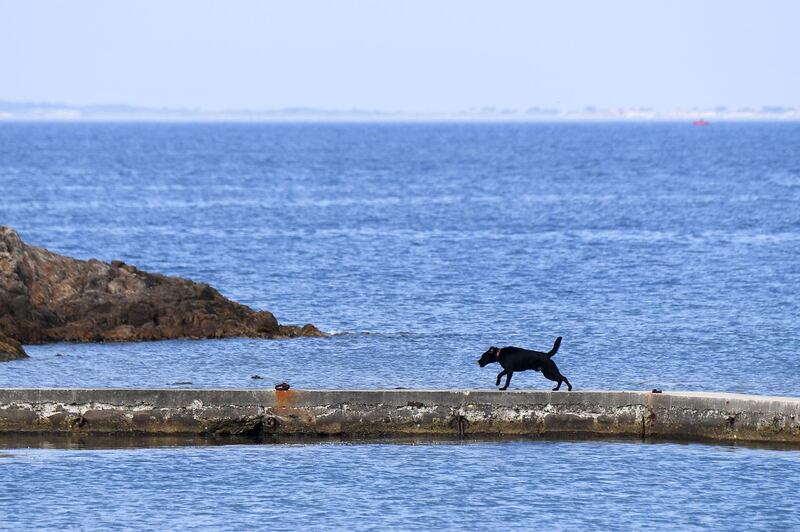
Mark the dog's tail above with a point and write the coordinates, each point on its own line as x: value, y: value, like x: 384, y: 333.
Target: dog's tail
x: 556, y: 345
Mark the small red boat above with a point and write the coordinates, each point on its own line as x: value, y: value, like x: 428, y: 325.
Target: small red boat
x: 700, y: 122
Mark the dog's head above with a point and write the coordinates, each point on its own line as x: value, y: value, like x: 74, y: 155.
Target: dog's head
x: 489, y: 356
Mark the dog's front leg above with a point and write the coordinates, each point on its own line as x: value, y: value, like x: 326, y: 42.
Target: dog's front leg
x: 508, y: 380
x: 499, y: 375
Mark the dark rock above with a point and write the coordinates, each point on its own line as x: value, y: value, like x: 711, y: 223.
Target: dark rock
x: 46, y: 297
x: 293, y: 331
x: 264, y: 322
x: 310, y: 330
x: 10, y: 349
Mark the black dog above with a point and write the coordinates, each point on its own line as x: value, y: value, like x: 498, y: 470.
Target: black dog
x: 517, y: 359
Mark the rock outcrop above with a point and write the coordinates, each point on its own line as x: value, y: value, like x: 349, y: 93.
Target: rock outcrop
x: 10, y: 349
x: 46, y: 297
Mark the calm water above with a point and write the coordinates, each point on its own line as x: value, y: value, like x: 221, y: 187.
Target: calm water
x: 667, y: 256
x: 488, y: 486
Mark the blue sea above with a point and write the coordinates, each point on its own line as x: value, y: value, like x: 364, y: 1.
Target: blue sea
x: 666, y: 255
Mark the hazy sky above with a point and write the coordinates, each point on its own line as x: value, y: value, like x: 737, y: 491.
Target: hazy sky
x: 429, y: 55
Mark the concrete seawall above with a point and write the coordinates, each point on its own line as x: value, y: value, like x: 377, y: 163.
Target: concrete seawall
x: 377, y: 413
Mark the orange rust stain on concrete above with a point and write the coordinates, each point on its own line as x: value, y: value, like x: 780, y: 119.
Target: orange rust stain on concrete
x: 285, y: 398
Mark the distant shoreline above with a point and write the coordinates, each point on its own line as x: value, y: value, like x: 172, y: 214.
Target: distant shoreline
x: 62, y: 112
x: 385, y: 120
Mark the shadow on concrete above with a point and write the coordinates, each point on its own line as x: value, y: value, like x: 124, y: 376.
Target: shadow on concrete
x: 138, y: 441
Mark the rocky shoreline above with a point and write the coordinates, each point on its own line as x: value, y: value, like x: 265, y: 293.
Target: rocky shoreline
x: 47, y: 297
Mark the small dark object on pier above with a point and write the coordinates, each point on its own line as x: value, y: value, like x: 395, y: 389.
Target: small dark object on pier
x: 656, y: 390
x: 282, y: 386
x: 256, y: 377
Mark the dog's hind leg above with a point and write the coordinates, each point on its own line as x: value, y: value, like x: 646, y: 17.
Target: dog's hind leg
x: 499, y: 375
x: 508, y: 379
x: 552, y: 373
x: 569, y: 386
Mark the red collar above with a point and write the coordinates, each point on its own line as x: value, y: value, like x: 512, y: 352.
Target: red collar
x: 497, y: 353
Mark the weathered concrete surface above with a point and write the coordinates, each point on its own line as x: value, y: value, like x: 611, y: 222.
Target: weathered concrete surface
x: 376, y: 413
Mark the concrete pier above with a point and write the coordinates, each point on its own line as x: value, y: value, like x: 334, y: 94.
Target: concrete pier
x: 390, y: 413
